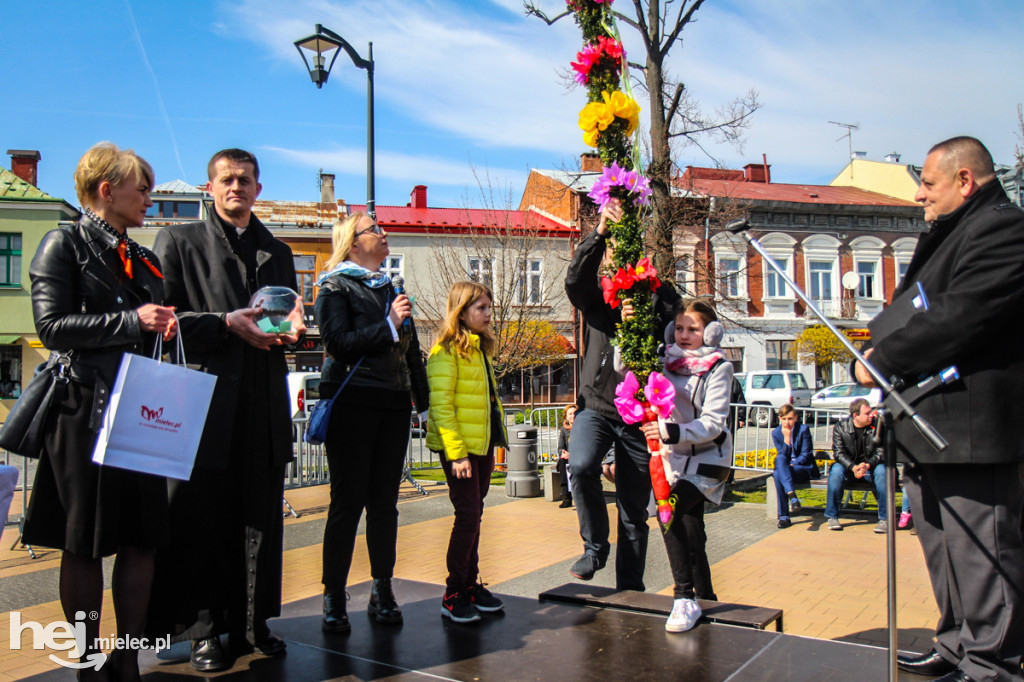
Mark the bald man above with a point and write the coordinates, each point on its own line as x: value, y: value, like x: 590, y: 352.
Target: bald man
x: 968, y: 499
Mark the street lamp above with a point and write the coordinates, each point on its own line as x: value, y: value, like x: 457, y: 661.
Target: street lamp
x: 320, y: 44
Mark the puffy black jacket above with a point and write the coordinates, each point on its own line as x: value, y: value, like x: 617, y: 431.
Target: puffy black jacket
x: 352, y: 319
x: 849, y: 449
x: 598, y: 377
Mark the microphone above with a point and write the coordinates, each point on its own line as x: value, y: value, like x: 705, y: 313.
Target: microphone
x: 399, y: 283
x: 737, y: 226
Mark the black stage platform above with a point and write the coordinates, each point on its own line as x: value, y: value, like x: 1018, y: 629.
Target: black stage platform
x: 531, y: 640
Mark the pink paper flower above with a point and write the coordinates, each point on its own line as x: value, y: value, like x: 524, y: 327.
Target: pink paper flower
x: 661, y: 394
x: 629, y: 407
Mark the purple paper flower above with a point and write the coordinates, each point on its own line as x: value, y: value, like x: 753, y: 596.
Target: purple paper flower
x: 616, y: 176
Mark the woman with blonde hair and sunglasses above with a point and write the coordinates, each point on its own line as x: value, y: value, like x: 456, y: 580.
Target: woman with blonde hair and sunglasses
x: 371, y: 342
x: 466, y: 424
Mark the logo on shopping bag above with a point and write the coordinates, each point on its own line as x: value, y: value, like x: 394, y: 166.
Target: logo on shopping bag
x: 155, y: 418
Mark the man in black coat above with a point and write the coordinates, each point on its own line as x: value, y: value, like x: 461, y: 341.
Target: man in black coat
x: 968, y: 498
x: 598, y: 427
x: 222, y: 572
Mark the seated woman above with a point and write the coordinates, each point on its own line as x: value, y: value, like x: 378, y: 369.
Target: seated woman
x: 794, y: 461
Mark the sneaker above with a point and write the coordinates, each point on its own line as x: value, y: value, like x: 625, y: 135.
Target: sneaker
x: 882, y: 527
x: 784, y: 522
x: 794, y: 504
x: 586, y: 566
x: 905, y: 519
x: 833, y: 524
x: 685, y: 614
x: 382, y: 604
x: 458, y: 607
x: 482, y: 598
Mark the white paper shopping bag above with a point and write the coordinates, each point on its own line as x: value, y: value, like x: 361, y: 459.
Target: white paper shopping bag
x: 155, y: 418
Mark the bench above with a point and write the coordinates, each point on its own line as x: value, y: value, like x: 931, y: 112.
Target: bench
x: 821, y: 451
x: 756, y: 617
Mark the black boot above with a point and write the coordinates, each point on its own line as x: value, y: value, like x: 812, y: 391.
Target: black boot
x: 382, y: 602
x: 335, y: 620
x: 566, y: 502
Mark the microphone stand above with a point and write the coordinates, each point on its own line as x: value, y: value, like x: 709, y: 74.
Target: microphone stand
x: 894, y: 406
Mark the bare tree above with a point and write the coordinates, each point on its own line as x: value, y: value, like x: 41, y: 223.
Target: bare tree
x: 1018, y: 151
x: 676, y: 118
x: 523, y: 262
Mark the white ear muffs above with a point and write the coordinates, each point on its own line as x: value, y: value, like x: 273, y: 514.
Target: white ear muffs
x: 714, y: 332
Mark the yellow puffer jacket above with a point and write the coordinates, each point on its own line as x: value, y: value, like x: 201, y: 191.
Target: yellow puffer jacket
x: 459, y: 423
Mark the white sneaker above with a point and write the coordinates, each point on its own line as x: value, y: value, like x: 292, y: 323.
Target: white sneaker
x: 685, y: 614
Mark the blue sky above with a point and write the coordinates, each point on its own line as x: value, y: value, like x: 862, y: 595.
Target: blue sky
x: 468, y: 88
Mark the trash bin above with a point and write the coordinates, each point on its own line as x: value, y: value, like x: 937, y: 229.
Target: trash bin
x: 523, y: 479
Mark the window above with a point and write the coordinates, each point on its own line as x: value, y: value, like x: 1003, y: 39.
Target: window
x: 684, y: 274
x: 778, y: 356
x: 173, y: 209
x: 10, y: 371
x: 10, y: 259
x: 821, y: 280
x: 392, y: 266
x: 480, y: 270
x: 305, y: 269
x: 729, y: 275
x: 735, y: 356
x: 529, y: 282
x: 901, y: 271
x: 776, y: 286
x: 866, y: 273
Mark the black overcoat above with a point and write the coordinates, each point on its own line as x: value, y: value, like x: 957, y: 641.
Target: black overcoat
x: 971, y: 266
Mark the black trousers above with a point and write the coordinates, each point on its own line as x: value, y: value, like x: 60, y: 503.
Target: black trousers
x: 968, y: 518
x: 685, y: 541
x: 366, y: 452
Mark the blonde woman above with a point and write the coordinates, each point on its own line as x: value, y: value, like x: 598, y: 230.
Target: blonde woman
x: 466, y: 424
x: 96, y: 295
x: 361, y: 322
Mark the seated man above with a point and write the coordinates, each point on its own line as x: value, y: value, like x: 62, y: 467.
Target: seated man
x: 856, y: 458
x: 794, y: 461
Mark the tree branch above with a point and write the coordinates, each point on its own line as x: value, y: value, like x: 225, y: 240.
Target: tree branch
x: 533, y: 10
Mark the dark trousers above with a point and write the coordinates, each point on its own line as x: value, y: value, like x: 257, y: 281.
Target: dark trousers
x: 592, y: 436
x: 562, y: 467
x: 467, y: 496
x: 785, y: 475
x: 685, y: 542
x: 968, y: 519
x: 366, y: 452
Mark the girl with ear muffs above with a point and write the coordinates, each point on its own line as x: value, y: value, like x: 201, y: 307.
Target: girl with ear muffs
x: 696, y: 447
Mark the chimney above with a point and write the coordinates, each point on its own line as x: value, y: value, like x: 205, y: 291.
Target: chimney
x: 327, y: 188
x: 892, y: 157
x: 25, y: 164
x: 859, y: 155
x: 756, y: 172
x: 590, y: 163
x: 418, y: 198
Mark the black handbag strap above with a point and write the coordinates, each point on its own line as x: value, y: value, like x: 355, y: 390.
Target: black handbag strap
x: 351, y: 372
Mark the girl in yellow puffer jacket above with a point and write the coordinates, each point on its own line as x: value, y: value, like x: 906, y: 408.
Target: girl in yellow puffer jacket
x: 466, y: 423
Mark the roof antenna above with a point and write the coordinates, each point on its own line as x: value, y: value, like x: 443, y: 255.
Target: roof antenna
x: 850, y: 127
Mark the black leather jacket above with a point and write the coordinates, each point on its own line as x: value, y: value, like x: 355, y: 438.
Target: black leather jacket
x: 850, y: 450
x: 353, y: 324
x: 82, y: 302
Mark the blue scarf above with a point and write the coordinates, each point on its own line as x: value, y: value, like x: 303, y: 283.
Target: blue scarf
x: 370, y: 278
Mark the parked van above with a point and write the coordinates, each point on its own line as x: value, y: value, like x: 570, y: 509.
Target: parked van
x: 304, y: 392
x: 772, y: 389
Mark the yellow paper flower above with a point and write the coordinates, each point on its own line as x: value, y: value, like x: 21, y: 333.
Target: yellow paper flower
x: 595, y: 116
x: 590, y: 138
x: 623, y: 106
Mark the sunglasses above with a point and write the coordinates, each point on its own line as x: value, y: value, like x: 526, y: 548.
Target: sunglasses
x: 374, y: 229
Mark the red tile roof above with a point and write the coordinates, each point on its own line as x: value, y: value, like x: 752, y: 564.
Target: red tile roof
x: 802, y: 194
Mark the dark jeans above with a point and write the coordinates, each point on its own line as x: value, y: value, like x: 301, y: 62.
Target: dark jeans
x: 467, y: 496
x: 785, y: 475
x: 685, y: 544
x: 837, y: 479
x: 366, y: 452
x: 968, y: 519
x: 562, y: 467
x: 592, y: 436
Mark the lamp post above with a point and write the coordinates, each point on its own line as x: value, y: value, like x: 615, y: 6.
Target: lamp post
x: 320, y: 44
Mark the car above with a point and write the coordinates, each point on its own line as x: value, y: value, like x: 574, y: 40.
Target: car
x: 768, y: 390
x: 304, y: 392
x: 839, y: 396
